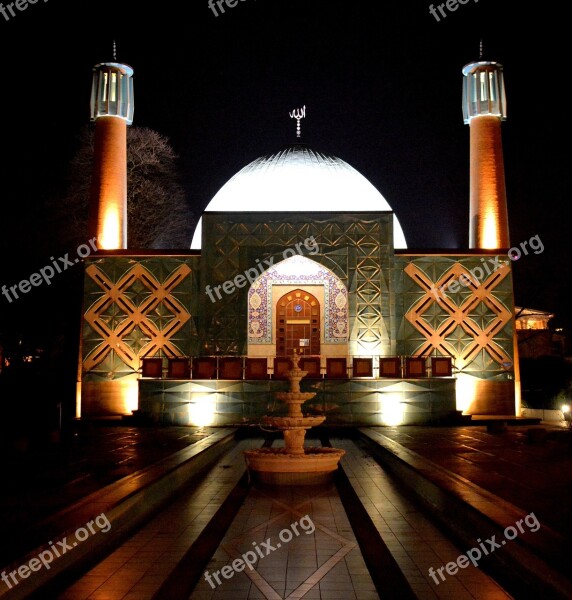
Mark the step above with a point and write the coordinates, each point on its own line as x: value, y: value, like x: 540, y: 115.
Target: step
x: 536, y: 562
x: 115, y: 510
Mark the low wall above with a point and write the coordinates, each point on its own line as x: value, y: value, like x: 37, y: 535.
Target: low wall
x: 126, y: 504
x: 343, y: 402
x: 544, y: 414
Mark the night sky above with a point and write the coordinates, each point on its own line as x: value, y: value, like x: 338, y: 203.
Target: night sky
x: 381, y: 82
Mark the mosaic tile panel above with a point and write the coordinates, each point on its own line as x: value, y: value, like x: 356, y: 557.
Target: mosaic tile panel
x: 260, y: 299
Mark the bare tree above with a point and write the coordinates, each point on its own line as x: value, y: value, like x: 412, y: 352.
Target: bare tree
x: 158, y: 216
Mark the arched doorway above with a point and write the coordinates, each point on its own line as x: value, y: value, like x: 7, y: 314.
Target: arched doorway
x: 298, y: 324
x: 307, y: 277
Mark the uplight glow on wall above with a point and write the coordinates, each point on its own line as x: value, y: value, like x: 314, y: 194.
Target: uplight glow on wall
x: 110, y: 236
x: 466, y: 391
x: 491, y: 238
x: 202, y: 412
x: 391, y: 408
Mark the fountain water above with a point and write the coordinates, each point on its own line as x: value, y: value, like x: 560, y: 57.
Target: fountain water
x: 294, y: 464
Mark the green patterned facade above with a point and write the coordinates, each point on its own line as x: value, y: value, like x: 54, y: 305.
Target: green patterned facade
x: 489, y: 315
x: 131, y: 306
x: 355, y: 247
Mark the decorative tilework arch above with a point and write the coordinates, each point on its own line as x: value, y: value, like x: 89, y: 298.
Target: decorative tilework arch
x: 298, y: 270
x: 356, y: 247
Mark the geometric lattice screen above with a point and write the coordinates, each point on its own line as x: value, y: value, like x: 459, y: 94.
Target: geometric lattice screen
x: 135, y: 308
x: 473, y: 322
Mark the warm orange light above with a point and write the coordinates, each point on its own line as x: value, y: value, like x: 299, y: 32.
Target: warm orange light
x: 488, y: 206
x: 109, y: 236
x: 128, y: 391
x: 108, y: 208
x: 466, y: 391
x: 78, y: 400
x: 490, y: 236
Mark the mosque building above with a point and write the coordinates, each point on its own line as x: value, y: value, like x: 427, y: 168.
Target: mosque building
x: 299, y: 252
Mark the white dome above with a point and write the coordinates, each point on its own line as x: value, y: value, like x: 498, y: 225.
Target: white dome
x: 299, y: 179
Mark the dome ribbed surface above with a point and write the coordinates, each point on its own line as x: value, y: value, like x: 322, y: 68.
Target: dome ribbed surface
x: 297, y: 178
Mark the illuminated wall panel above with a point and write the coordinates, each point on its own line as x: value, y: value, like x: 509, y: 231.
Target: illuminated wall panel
x: 460, y: 306
x: 134, y: 307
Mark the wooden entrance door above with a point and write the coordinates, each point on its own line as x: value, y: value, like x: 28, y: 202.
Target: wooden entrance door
x: 297, y: 324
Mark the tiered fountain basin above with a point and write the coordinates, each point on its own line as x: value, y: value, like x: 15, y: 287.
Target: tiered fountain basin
x: 294, y: 464
x: 285, y: 423
x: 275, y: 466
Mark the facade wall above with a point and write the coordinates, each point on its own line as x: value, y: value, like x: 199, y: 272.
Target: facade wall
x: 356, y: 402
x: 357, y: 248
x: 458, y: 305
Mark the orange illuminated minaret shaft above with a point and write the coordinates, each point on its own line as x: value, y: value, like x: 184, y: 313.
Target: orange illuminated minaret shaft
x: 484, y: 108
x: 112, y: 111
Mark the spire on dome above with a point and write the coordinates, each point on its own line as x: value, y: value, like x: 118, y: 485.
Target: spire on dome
x: 298, y: 114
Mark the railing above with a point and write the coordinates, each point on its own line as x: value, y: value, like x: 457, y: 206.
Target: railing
x: 276, y: 367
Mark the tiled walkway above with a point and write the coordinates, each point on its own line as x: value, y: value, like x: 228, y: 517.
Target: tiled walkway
x: 298, y: 541
x: 415, y: 543
x: 136, y: 570
x: 322, y: 561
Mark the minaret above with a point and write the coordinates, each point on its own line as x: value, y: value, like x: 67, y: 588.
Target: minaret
x: 484, y: 108
x: 112, y: 111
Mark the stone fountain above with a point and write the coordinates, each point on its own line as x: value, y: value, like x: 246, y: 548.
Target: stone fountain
x: 293, y: 464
